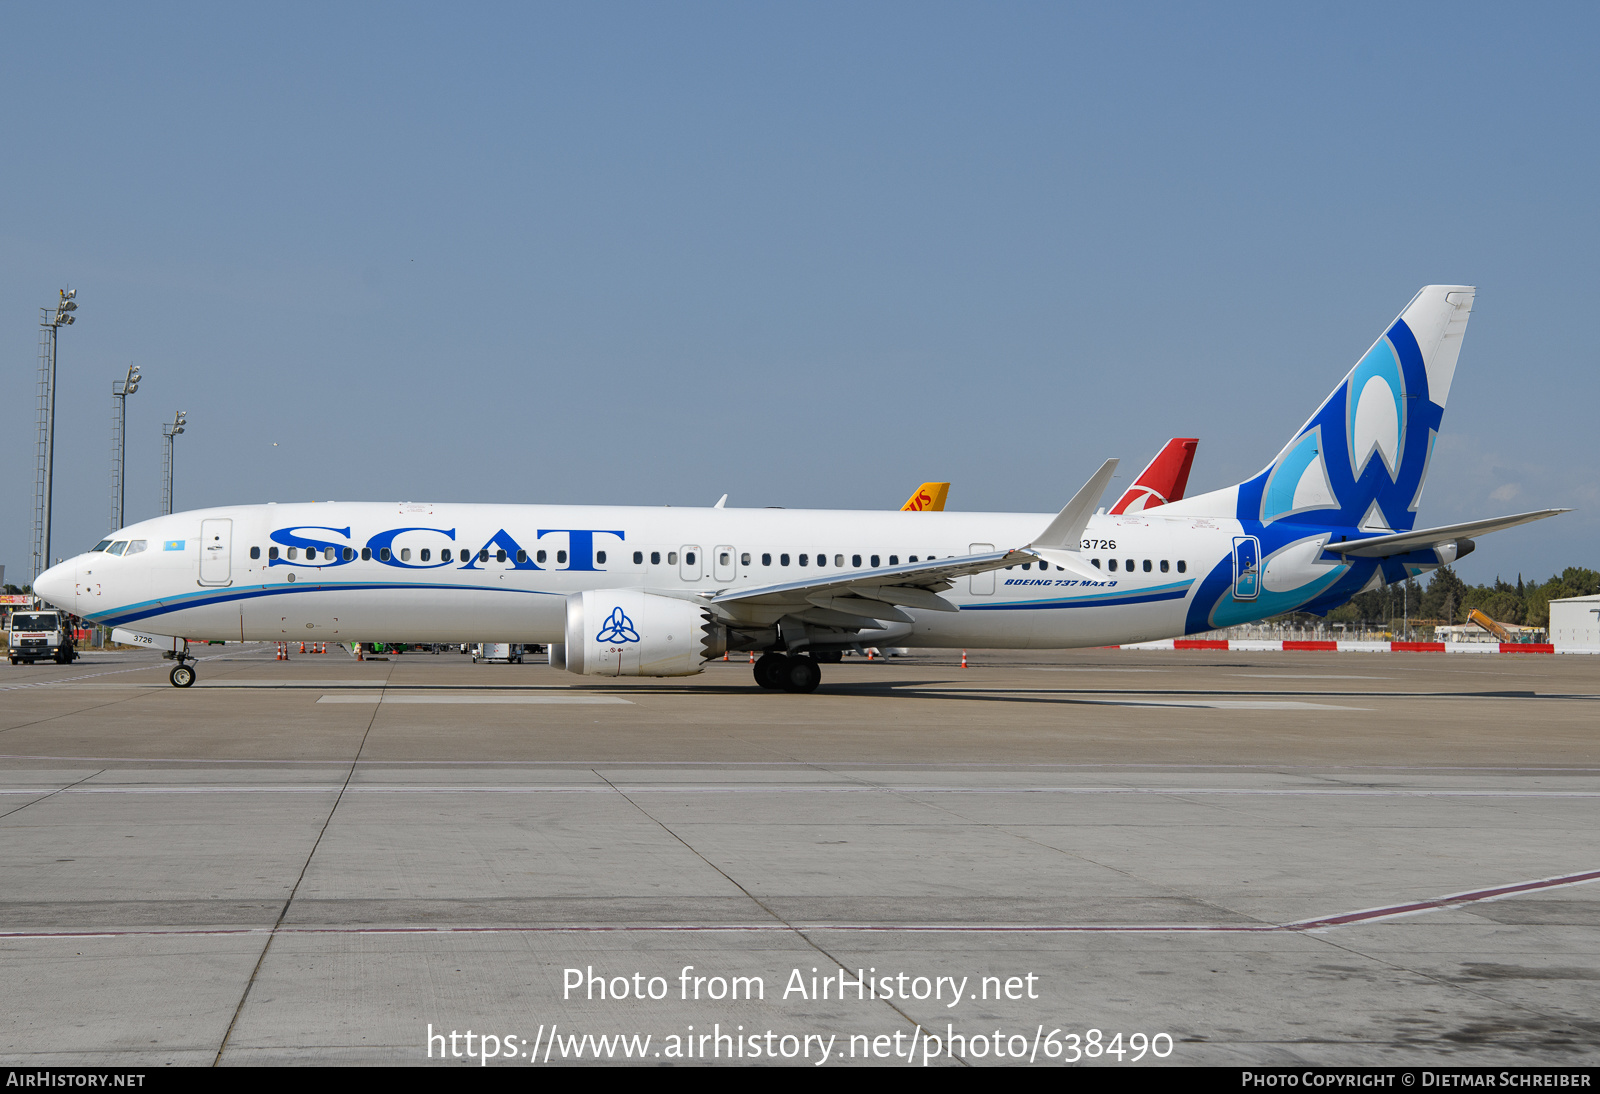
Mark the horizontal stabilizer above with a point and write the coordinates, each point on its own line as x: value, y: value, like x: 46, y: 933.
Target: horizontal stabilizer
x: 1066, y: 531
x: 1401, y: 543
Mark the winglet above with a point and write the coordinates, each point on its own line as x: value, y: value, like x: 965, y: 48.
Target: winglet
x: 722, y: 501
x: 1067, y: 529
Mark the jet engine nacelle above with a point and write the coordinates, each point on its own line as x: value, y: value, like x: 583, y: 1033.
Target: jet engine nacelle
x: 629, y: 632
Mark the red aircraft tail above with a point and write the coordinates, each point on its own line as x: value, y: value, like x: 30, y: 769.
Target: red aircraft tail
x: 1163, y: 481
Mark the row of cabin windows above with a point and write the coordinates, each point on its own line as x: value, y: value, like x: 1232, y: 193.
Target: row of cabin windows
x: 1130, y: 564
x: 725, y: 558
x: 348, y: 554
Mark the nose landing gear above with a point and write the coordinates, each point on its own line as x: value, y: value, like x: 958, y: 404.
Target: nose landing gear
x: 182, y: 674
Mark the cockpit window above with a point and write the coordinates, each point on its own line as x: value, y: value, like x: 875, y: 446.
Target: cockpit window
x: 101, y: 546
x: 118, y: 547
x: 135, y: 546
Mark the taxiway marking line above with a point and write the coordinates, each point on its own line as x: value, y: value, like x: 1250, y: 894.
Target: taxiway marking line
x: 1318, y: 924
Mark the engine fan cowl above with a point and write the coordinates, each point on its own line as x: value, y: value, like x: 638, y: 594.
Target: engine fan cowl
x: 629, y: 632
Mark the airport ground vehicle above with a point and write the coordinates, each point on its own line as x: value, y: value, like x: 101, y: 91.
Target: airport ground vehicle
x: 40, y: 636
x: 509, y: 653
x: 648, y: 591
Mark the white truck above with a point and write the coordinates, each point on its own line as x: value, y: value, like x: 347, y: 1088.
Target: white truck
x: 35, y: 636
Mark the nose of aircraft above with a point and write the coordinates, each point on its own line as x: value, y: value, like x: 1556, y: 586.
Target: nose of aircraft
x: 58, y: 585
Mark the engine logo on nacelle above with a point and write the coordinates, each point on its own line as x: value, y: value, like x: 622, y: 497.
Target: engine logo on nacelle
x: 618, y: 628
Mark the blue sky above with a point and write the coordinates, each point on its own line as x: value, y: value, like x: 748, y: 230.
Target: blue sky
x: 808, y: 255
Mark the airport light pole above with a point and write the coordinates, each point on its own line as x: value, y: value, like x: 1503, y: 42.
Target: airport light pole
x: 120, y: 390
x: 45, y: 445
x: 168, y: 432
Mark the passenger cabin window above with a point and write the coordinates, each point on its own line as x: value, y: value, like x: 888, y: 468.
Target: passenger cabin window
x: 766, y: 560
x: 383, y: 554
x: 350, y: 553
x: 655, y: 557
x: 405, y: 553
x: 427, y: 555
x: 838, y: 560
x: 255, y: 552
x: 783, y: 560
x: 894, y: 560
x: 1095, y: 562
x: 688, y: 558
x: 724, y: 558
x: 1027, y: 565
x: 672, y: 558
x: 1111, y: 564
x: 366, y: 554
x: 744, y: 559
x: 500, y: 555
x: 600, y: 557
x: 875, y: 562
x: 483, y: 555
x: 1147, y: 565
x: 1182, y: 566
x: 540, y: 557
x: 804, y: 559
x: 272, y: 552
x: 638, y: 558
x: 1164, y: 566
x: 1130, y: 565
x: 293, y: 553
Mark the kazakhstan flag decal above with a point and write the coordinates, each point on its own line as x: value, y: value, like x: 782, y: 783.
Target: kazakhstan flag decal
x: 173, y: 545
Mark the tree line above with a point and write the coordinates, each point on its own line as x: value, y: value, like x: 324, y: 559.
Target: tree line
x: 1447, y: 599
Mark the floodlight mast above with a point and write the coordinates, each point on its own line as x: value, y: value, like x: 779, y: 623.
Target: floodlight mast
x: 168, y: 432
x: 45, y: 445
x: 120, y: 390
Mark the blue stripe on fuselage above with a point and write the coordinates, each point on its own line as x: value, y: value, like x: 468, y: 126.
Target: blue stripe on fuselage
x: 150, y: 608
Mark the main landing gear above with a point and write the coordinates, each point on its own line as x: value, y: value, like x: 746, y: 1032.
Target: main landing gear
x: 780, y: 671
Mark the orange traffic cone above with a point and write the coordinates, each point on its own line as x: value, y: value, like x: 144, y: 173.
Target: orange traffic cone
x: 752, y: 657
x: 302, y: 647
x: 283, y: 652
x: 963, y: 658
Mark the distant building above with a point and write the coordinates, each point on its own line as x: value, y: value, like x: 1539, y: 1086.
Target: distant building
x: 1575, y: 621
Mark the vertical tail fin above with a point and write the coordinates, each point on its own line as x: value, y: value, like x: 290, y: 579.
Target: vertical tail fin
x: 1163, y: 481
x: 1362, y: 458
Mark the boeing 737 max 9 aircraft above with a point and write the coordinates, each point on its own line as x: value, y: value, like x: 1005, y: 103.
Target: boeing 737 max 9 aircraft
x: 659, y: 591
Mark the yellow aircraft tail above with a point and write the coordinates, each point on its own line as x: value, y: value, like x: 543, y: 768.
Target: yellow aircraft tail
x: 927, y: 498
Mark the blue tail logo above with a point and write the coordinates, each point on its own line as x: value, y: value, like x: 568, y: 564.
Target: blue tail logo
x: 1362, y: 458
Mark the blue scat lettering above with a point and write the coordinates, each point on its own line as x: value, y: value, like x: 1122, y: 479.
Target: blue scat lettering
x: 503, y: 541
x: 385, y: 540
x: 289, y: 537
x: 580, y: 544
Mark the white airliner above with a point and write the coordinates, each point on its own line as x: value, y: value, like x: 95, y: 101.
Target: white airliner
x: 660, y: 591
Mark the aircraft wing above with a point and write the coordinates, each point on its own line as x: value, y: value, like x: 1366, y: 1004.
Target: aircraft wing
x: 872, y: 593
x: 1400, y: 543
x: 879, y: 593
